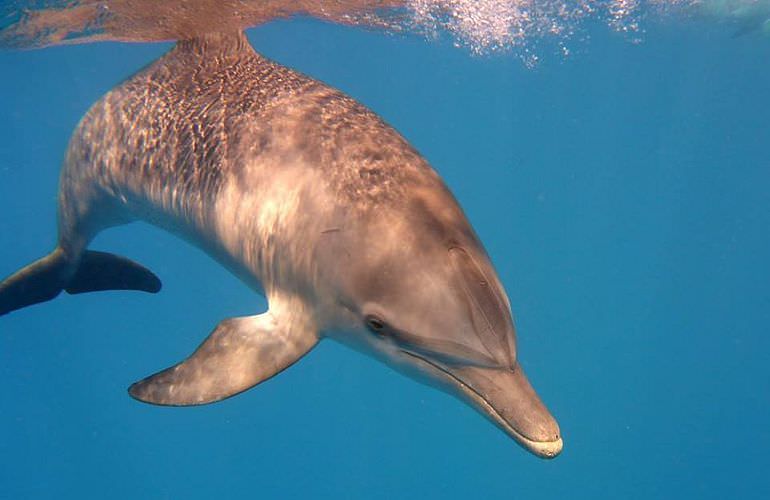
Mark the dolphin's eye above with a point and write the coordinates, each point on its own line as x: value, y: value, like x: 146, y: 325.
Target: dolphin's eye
x: 375, y: 324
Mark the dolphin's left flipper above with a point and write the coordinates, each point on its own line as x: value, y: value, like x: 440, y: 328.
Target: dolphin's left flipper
x: 239, y: 354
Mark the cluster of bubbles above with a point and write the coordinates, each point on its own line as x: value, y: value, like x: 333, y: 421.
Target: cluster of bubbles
x: 487, y: 25
x: 482, y: 26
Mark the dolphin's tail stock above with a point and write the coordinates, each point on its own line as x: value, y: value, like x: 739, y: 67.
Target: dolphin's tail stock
x: 91, y: 271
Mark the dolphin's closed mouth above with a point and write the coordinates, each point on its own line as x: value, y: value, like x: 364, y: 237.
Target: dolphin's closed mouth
x: 544, y: 449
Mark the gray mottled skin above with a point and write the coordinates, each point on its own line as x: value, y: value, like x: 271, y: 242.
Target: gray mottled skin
x: 162, y: 146
x: 311, y: 199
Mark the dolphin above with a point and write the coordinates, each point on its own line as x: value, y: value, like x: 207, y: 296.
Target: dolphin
x: 310, y: 199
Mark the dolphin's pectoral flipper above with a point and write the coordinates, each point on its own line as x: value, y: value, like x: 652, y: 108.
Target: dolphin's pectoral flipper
x: 239, y: 354
x: 45, y: 278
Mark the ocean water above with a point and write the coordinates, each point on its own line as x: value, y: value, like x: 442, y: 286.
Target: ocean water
x: 623, y: 193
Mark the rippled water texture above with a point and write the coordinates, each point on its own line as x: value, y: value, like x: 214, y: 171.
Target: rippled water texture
x: 480, y: 25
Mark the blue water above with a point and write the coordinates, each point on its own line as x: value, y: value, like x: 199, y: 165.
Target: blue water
x: 623, y: 194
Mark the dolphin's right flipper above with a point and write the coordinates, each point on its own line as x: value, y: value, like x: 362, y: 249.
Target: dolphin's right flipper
x: 239, y: 354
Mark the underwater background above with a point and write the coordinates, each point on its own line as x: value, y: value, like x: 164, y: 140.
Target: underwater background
x: 622, y: 191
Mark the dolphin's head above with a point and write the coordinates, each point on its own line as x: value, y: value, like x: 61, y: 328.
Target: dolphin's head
x: 424, y: 297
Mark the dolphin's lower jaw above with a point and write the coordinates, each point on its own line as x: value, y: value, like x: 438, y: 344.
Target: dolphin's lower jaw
x: 536, y: 430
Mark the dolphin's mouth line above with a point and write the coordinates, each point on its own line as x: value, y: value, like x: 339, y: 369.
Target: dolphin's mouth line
x: 541, y: 448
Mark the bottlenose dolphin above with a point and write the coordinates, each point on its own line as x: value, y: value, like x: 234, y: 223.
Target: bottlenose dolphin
x: 309, y: 198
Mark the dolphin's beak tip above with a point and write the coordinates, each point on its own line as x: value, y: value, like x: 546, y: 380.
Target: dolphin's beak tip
x: 547, y: 449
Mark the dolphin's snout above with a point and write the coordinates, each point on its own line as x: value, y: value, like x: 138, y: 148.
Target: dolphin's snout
x: 506, y: 397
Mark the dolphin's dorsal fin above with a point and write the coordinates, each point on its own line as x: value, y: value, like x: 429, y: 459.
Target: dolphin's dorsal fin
x: 239, y: 354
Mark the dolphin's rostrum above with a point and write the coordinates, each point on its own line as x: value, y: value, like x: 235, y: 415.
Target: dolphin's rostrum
x: 310, y: 199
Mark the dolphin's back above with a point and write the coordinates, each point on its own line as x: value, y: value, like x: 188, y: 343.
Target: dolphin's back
x: 168, y: 134
x: 174, y: 133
